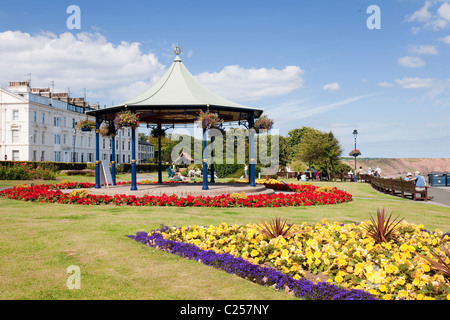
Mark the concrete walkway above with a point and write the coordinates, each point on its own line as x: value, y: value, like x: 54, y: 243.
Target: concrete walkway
x: 440, y: 195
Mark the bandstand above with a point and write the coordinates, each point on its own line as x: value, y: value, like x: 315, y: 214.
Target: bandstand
x: 175, y: 99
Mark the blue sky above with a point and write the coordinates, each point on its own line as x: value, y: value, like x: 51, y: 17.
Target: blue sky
x: 306, y: 63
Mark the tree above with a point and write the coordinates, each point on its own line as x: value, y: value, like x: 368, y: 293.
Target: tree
x: 319, y: 147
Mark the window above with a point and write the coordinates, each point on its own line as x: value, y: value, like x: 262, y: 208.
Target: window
x: 43, y: 155
x: 57, y: 156
x: 15, y: 136
x: 64, y: 138
x: 43, y: 117
x: 103, y: 143
x: 15, y: 115
x: 57, y: 139
x: 43, y: 138
x: 81, y: 144
x: 64, y: 122
x: 34, y: 138
x: 34, y: 116
x: 57, y: 121
x: 34, y: 155
x: 129, y: 145
x: 89, y: 143
x: 15, y: 155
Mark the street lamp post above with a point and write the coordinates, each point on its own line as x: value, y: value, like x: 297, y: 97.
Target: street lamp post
x: 355, y: 134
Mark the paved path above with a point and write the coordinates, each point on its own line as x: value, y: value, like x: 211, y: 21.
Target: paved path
x: 441, y: 195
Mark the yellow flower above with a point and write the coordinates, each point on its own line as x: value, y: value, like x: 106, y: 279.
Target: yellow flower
x: 254, y: 253
x: 425, y: 267
x: 383, y: 288
x: 339, y: 279
x: 419, y: 296
x: 387, y: 297
x: 403, y: 294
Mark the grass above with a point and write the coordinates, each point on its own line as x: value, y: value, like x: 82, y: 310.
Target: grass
x: 39, y: 241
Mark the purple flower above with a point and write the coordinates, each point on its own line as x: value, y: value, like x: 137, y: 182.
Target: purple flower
x: 257, y: 273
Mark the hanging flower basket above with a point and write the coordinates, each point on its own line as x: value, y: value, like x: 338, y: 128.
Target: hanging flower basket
x: 354, y: 153
x: 126, y: 119
x: 86, y: 124
x: 209, y: 120
x: 156, y: 133
x: 263, y: 123
x: 107, y: 129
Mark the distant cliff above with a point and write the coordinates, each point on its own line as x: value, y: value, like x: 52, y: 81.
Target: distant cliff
x: 396, y: 167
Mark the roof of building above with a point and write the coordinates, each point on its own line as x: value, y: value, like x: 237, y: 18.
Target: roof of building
x: 177, y: 97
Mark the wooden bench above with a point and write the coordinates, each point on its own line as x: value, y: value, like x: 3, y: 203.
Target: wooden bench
x: 399, y: 187
x: 345, y: 177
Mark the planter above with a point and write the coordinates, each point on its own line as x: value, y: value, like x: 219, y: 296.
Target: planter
x: 263, y: 123
x: 126, y: 119
x: 209, y: 120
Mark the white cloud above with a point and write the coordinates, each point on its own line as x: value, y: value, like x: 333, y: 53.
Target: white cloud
x: 423, y: 49
x: 385, y: 84
x: 421, y: 15
x: 84, y: 60
x: 411, y: 62
x: 444, y: 11
x: 296, y: 110
x: 446, y: 40
x: 429, y: 20
x: 235, y: 82
x: 332, y: 86
x: 414, y: 83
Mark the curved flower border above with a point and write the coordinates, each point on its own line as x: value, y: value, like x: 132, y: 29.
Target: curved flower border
x: 303, y: 195
x: 257, y: 273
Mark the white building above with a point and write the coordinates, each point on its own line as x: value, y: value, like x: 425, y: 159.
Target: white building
x: 146, y: 151
x: 36, y: 125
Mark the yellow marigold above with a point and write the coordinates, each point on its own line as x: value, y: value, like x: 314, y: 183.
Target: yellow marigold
x: 387, y: 297
x: 254, y: 253
x: 339, y: 279
x: 426, y: 267
x: 419, y: 296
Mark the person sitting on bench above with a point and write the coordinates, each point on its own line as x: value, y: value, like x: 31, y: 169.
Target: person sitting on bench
x: 419, y: 181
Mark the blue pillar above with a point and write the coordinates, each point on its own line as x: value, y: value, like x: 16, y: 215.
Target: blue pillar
x: 205, y: 165
x: 133, y: 160
x: 160, y: 181
x: 212, y: 180
x: 251, y: 144
x: 113, y: 155
x: 97, y: 153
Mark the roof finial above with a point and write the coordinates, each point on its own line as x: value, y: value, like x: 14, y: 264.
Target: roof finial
x: 177, y: 50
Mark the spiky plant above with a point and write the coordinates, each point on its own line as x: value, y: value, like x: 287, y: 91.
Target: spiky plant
x: 440, y: 265
x: 276, y: 228
x: 383, y: 228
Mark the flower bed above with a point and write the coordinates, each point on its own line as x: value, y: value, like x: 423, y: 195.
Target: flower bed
x: 304, y: 195
x: 258, y: 273
x: 345, y: 254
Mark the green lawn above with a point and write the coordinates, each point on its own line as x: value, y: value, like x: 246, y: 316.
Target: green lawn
x: 39, y: 241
